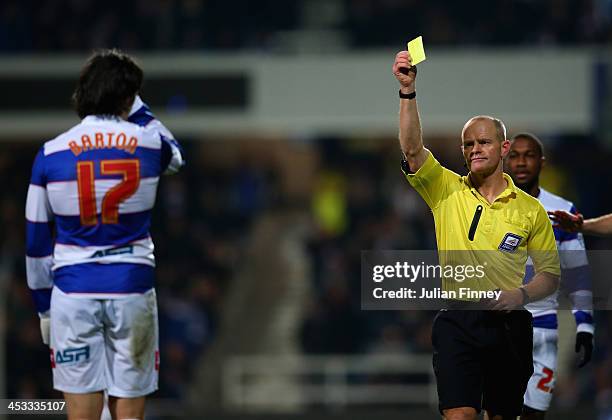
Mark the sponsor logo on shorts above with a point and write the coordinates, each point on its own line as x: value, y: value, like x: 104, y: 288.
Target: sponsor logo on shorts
x: 113, y: 251
x: 510, y: 242
x: 71, y: 355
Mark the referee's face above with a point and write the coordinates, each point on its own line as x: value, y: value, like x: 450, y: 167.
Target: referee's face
x: 481, y: 147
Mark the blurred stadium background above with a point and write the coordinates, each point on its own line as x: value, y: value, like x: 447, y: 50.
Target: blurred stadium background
x: 287, y: 110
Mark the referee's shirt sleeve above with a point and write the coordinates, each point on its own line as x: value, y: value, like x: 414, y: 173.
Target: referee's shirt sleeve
x: 542, y: 247
x: 430, y: 181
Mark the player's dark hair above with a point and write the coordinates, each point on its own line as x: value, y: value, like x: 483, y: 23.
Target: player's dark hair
x: 108, y: 83
x: 533, y: 138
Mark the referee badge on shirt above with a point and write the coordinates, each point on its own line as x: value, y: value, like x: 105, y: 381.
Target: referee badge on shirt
x: 510, y: 242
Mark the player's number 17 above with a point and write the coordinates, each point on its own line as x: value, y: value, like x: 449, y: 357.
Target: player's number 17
x: 129, y: 169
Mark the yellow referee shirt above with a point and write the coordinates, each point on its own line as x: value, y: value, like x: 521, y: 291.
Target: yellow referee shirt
x: 498, y: 236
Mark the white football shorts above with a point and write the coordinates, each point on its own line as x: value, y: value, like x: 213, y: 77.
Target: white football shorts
x: 542, y: 383
x: 105, y: 344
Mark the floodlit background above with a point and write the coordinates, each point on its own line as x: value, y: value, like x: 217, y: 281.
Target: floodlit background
x: 287, y: 111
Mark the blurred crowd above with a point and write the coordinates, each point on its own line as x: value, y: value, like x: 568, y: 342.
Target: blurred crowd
x: 202, y: 216
x: 80, y: 25
x: 361, y: 201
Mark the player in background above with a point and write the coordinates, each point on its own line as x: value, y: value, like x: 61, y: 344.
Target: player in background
x: 598, y: 226
x: 90, y: 262
x: 524, y: 163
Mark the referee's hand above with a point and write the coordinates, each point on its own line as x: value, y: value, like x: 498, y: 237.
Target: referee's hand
x: 404, y: 71
x: 508, y: 300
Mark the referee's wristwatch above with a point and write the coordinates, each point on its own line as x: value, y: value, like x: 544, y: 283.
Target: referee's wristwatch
x: 410, y: 95
x: 525, y: 295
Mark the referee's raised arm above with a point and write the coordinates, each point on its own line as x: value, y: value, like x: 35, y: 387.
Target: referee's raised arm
x: 410, y: 136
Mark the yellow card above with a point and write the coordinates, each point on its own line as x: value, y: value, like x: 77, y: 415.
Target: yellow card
x: 416, y: 50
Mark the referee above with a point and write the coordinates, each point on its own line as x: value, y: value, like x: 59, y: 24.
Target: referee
x: 483, y: 356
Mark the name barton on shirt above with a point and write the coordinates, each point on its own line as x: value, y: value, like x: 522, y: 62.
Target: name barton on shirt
x: 106, y: 140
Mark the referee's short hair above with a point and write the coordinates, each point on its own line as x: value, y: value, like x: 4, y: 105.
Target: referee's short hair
x: 531, y: 137
x: 107, y: 85
x: 500, y: 127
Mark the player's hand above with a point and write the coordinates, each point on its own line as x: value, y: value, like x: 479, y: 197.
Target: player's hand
x: 508, y: 301
x: 566, y: 221
x: 404, y: 71
x: 584, y: 340
x: 45, y: 328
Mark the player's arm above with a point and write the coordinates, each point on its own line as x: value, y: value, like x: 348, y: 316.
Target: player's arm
x: 172, y: 155
x: 410, y: 135
x: 172, y: 152
x: 598, y: 226
x: 576, y: 278
x: 576, y: 282
x: 581, y: 296
x: 39, y: 243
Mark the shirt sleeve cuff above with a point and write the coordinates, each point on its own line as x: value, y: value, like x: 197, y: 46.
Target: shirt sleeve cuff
x: 584, y: 327
x: 429, y: 164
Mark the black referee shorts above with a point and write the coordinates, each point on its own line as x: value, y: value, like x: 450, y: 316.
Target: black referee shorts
x: 483, y: 359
